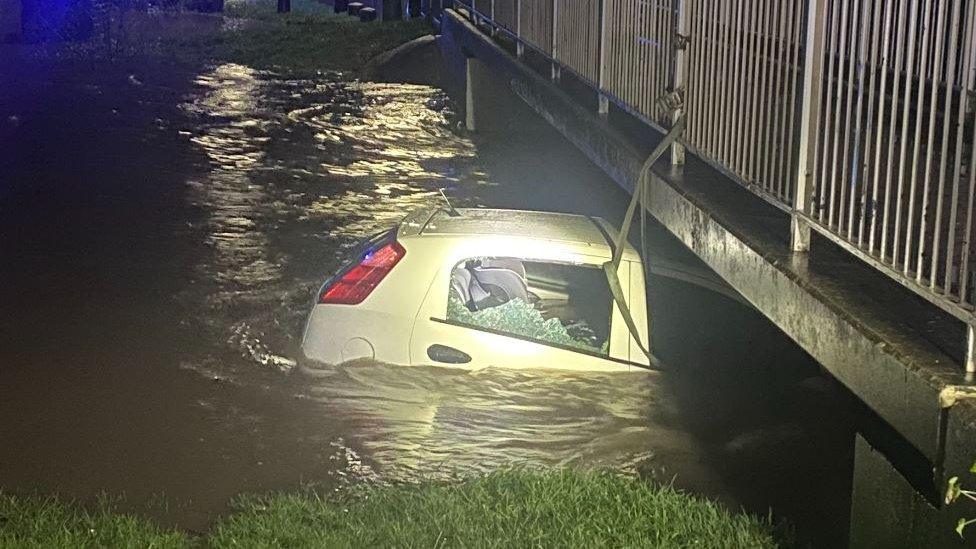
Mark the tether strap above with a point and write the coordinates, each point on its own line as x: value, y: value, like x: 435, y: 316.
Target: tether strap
x: 611, y: 267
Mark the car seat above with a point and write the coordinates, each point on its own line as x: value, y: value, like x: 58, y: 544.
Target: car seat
x: 489, y: 283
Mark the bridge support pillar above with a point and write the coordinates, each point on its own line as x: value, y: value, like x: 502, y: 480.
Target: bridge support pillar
x: 485, y: 97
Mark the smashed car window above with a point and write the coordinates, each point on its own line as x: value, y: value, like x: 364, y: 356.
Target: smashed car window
x: 568, y: 305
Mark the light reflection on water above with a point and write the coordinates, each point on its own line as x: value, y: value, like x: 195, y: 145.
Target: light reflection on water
x: 439, y: 423
x: 301, y: 170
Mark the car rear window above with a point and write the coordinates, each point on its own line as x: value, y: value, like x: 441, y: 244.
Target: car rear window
x: 562, y: 304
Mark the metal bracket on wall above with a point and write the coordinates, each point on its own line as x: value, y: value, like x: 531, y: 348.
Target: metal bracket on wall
x: 673, y: 100
x: 681, y: 41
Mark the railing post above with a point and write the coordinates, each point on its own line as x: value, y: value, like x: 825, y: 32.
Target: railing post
x: 970, y: 349
x: 519, y: 46
x: 809, y: 117
x: 494, y: 27
x: 556, y: 70
x: 603, y: 105
x: 679, y: 84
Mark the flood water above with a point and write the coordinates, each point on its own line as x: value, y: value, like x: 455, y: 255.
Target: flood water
x: 163, y: 232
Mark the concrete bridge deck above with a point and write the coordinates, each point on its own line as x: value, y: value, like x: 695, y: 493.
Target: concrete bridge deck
x: 900, y: 355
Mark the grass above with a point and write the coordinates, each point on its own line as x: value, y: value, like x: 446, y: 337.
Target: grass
x: 557, y: 508
x: 309, y: 39
x: 36, y: 521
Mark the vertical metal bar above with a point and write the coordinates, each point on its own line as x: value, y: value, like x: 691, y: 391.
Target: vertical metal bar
x: 647, y: 83
x: 681, y: 71
x: 779, y: 120
x: 970, y: 350
x: 640, y: 60
x: 895, y: 89
x: 649, y: 68
x: 709, y: 111
x: 838, y: 126
x: 690, y: 66
x: 691, y: 63
x: 653, y: 45
x: 916, y: 148
x: 633, y: 73
x: 828, y: 128
x: 777, y: 80
x: 738, y: 90
x: 701, y: 13
x: 706, y: 73
x: 798, y: 19
x: 754, y: 105
x: 666, y: 77
x: 809, y: 120
x: 968, y: 234
x: 870, y: 183
x: 555, y: 72
x: 929, y: 142
x: 755, y: 33
x: 625, y: 22
x: 946, y: 109
x: 909, y: 74
x: 862, y: 166
x: 766, y: 91
x: 762, y: 92
x: 885, y: 55
x: 519, y: 45
x: 745, y: 86
x: 852, y: 142
x: 601, y: 67
x: 697, y: 67
x: 960, y: 146
x: 613, y: 38
x: 731, y: 83
x: 716, y: 124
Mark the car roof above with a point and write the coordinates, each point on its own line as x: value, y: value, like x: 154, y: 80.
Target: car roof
x: 561, y: 227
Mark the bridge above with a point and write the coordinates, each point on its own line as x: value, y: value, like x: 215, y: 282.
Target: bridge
x: 827, y: 173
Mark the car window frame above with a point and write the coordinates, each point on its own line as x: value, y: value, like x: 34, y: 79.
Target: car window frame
x: 549, y: 344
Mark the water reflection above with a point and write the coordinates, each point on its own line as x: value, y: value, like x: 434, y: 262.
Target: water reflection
x: 440, y: 423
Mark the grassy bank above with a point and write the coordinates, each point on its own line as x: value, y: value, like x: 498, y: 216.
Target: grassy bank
x: 309, y: 39
x: 47, y: 522
x: 505, y: 509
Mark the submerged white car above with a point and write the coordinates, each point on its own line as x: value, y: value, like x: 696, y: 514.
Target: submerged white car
x: 474, y: 288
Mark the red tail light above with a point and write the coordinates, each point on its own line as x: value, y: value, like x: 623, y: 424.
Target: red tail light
x: 357, y: 283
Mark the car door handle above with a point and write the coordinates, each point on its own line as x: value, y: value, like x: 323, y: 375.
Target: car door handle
x: 447, y: 355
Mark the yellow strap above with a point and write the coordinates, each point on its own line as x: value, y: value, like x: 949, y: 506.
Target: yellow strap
x: 610, y: 267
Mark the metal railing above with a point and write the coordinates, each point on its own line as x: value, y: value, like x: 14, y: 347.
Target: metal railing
x: 893, y: 171
x: 742, y: 90
x: 855, y: 116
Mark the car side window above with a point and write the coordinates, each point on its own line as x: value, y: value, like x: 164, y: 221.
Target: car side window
x: 559, y: 304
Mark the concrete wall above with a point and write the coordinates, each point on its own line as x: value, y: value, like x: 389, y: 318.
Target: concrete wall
x: 377, y: 5
x: 10, y: 20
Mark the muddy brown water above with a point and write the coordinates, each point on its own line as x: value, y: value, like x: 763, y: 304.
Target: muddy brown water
x: 163, y: 231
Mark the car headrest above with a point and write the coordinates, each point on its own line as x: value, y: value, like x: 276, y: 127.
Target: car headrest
x: 504, y: 284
